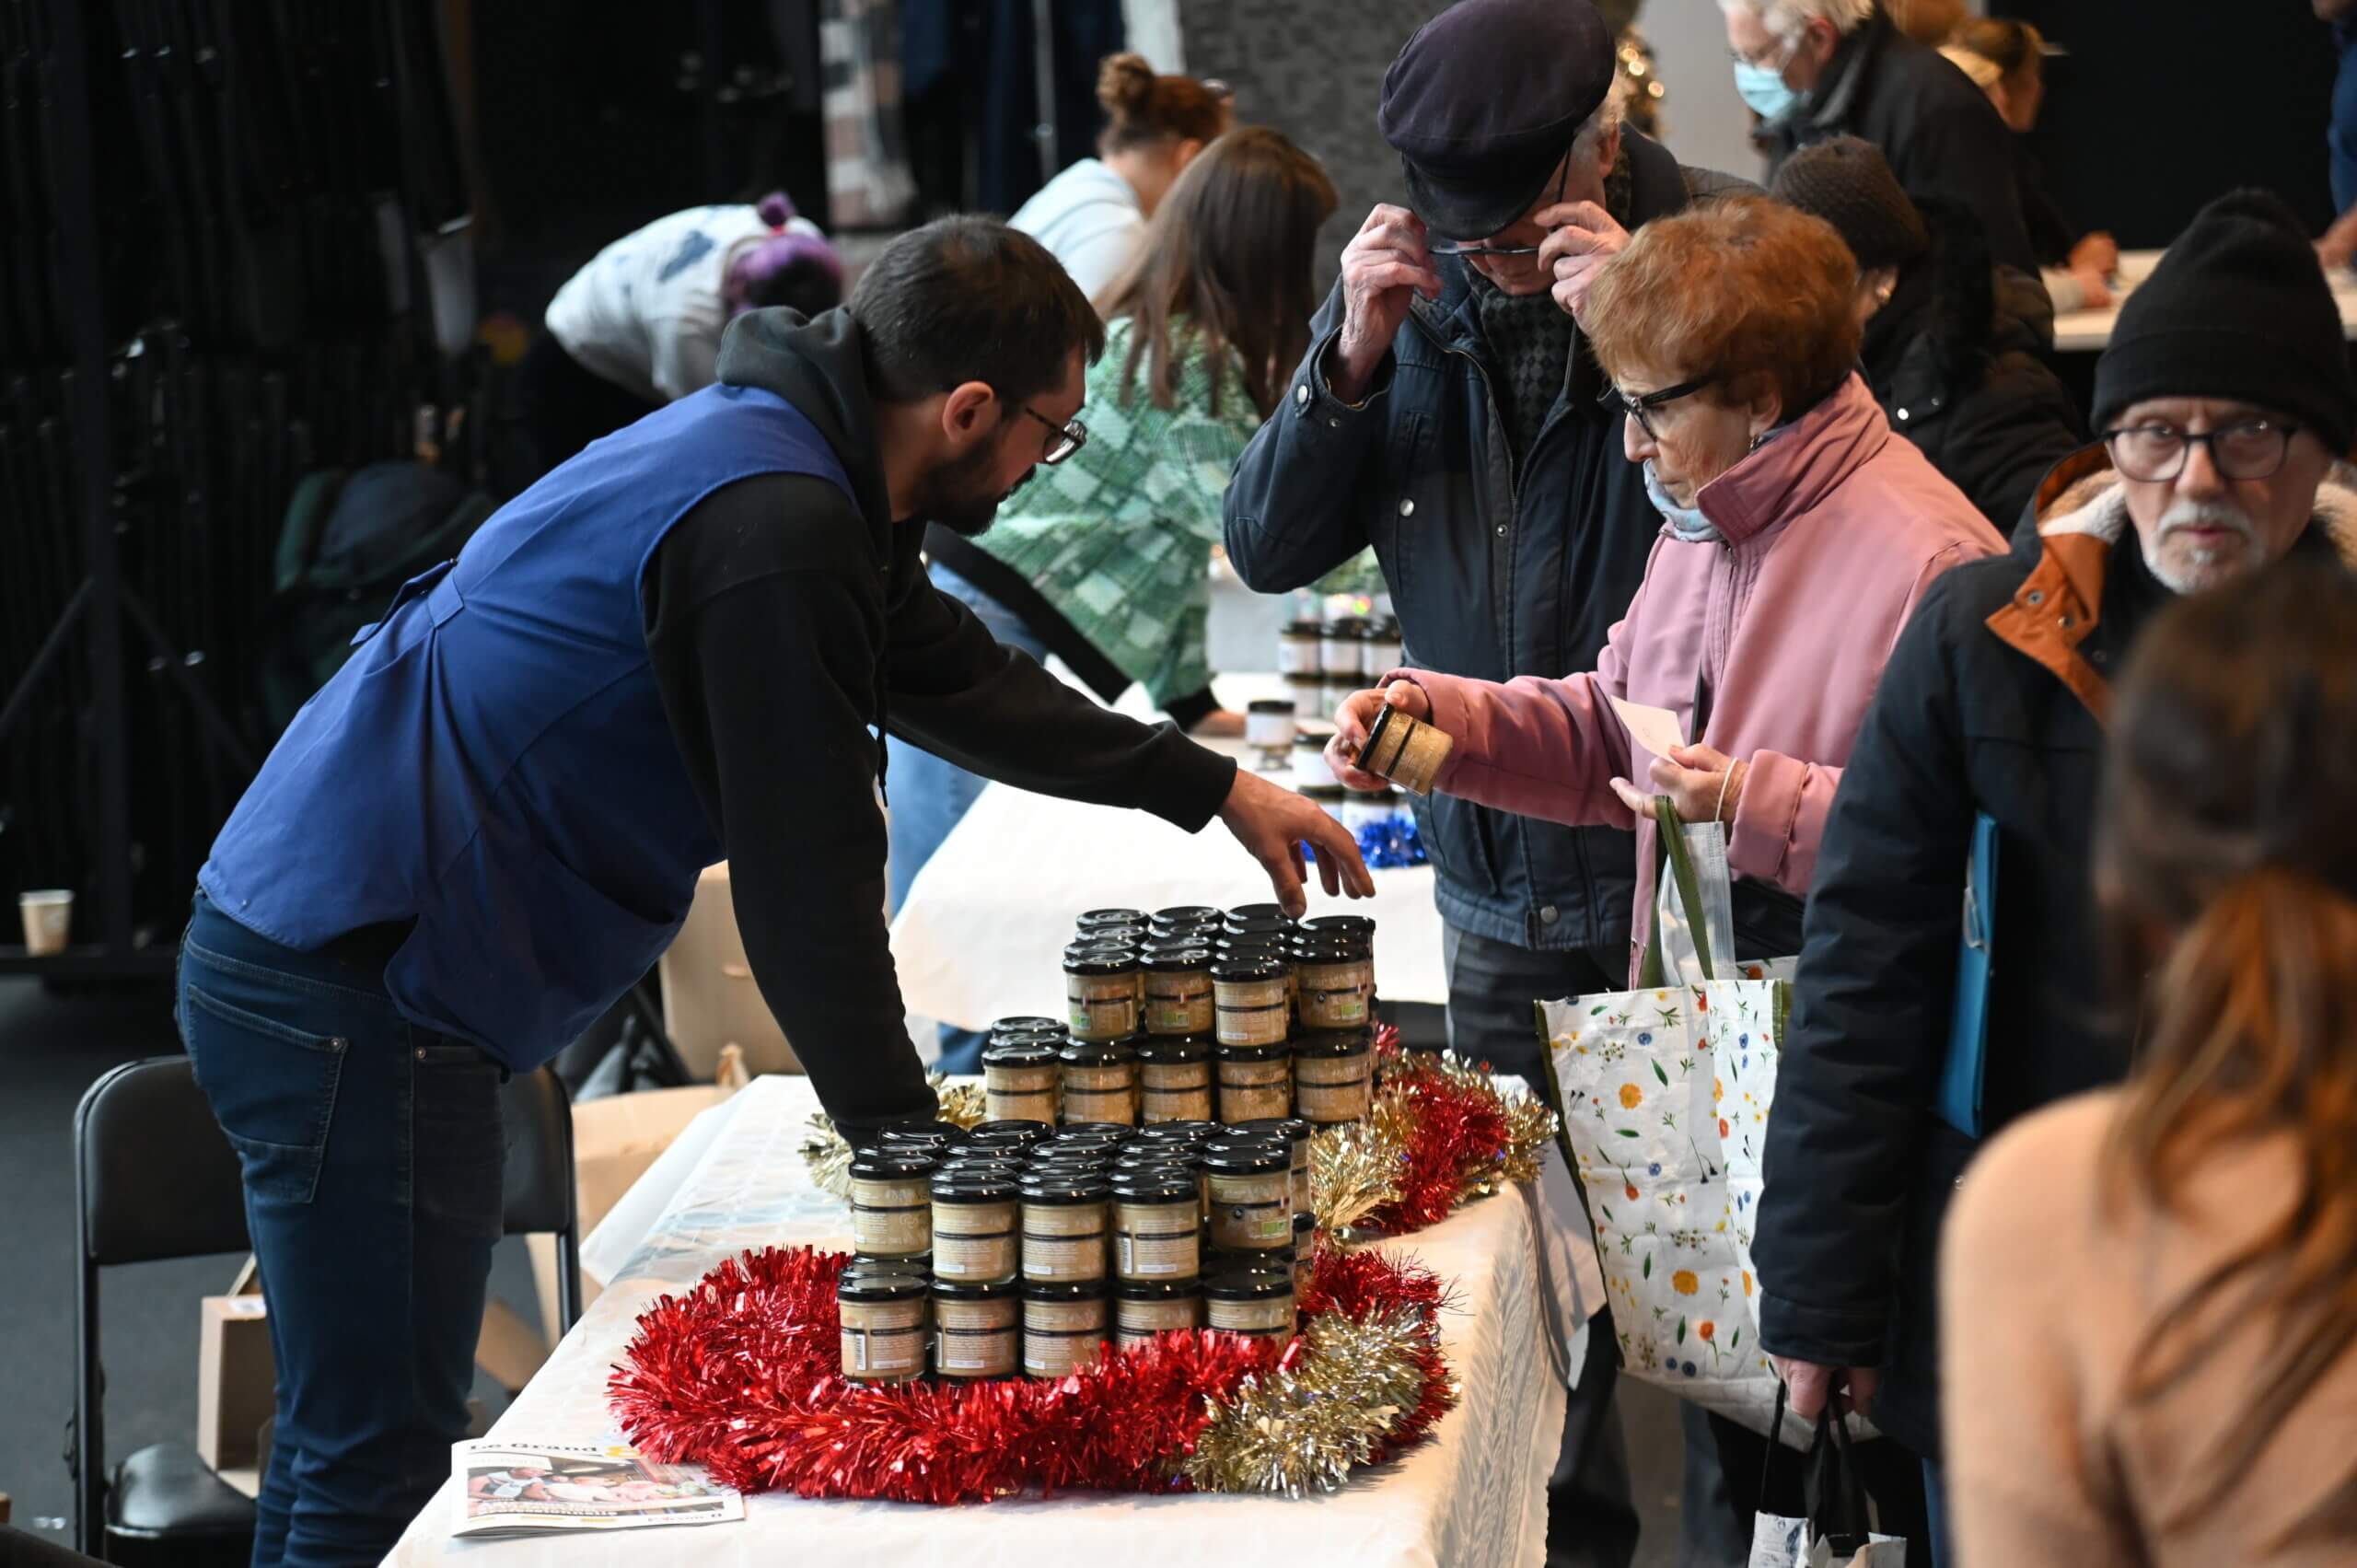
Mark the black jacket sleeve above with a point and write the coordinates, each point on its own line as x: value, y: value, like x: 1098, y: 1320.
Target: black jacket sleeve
x: 1296, y: 504
x: 767, y: 668
x: 1870, y: 1011
x: 958, y: 692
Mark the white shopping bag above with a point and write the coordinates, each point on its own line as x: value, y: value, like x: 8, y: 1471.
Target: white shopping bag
x: 1664, y: 1096
x: 1838, y: 1534
x: 1785, y: 1543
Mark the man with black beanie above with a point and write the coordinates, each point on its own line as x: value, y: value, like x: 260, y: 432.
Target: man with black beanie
x: 2222, y: 406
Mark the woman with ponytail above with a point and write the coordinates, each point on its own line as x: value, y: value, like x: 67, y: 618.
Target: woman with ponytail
x: 2150, y: 1294
x: 1092, y: 217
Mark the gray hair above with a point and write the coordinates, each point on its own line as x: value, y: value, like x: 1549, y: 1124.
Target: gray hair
x: 1607, y: 118
x: 1786, y: 18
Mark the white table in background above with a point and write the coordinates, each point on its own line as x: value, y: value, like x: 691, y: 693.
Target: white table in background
x: 1471, y: 1497
x: 987, y: 919
x: 2089, y: 331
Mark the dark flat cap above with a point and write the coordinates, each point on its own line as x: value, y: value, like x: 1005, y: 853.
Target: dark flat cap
x: 1485, y: 100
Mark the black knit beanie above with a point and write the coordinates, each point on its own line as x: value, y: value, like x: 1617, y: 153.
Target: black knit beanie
x: 2237, y: 310
x: 1846, y: 182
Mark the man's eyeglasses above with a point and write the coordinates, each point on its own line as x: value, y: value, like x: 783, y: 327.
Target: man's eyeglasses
x: 1639, y: 407
x: 1563, y: 179
x: 1070, y: 436
x: 2155, y: 454
x: 1780, y: 54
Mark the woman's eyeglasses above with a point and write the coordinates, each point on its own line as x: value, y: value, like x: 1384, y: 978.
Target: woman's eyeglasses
x: 1639, y: 406
x: 1070, y: 436
x: 2155, y: 454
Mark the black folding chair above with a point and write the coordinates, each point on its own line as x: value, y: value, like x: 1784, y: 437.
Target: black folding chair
x: 153, y: 1179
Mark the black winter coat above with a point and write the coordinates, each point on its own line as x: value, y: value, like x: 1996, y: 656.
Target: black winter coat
x: 1492, y: 574
x: 1942, y: 136
x: 1990, y: 703
x: 1961, y: 376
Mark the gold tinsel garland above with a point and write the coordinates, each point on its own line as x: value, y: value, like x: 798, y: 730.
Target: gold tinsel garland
x: 828, y: 1153
x: 1302, y: 1427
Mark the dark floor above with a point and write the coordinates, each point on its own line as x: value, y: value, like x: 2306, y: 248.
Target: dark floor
x: 51, y: 1050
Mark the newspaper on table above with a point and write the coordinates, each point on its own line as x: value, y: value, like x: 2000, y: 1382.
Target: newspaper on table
x: 522, y: 1488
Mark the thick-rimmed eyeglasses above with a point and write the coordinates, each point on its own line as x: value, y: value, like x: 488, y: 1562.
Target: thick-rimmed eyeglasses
x: 2155, y: 454
x: 1563, y: 179
x: 1639, y: 406
x: 1071, y: 436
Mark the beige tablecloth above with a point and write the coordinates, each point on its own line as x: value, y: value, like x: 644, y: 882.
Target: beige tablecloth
x: 1473, y: 1497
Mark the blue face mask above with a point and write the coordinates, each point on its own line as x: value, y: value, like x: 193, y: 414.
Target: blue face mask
x: 1764, y: 90
x: 1686, y: 522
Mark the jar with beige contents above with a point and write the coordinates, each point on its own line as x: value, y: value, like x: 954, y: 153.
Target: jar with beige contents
x: 1065, y: 1221
x: 1334, y: 1076
x: 1251, y: 1195
x: 1063, y: 1326
x: 1174, y: 1079
x: 891, y: 1204
x: 1336, y: 975
x: 1100, y: 1082
x: 1251, y: 997
x: 975, y: 1224
x: 976, y: 1330
x: 1020, y: 1080
x: 1257, y: 1302
x: 1142, y: 1309
x: 1158, y: 1231
x: 882, y: 1318
x: 1179, y: 996
x: 1102, y: 988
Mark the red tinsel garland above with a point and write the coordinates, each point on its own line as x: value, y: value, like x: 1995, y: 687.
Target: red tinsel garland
x: 740, y: 1374
x: 1456, y: 1132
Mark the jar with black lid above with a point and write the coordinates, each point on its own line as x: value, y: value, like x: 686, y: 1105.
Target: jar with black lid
x: 1297, y: 649
x: 1015, y: 1135
x: 1252, y: 1001
x: 1100, y: 1082
x: 1094, y: 920
x: 1102, y: 986
x: 1142, y: 1309
x: 1184, y: 915
x: 1020, y: 1079
x: 937, y: 1138
x: 1066, y: 1217
x: 1175, y: 1079
x: 1334, y: 981
x: 1258, y: 1302
x: 1029, y: 1024
x: 1255, y: 1081
x: 891, y: 1204
x: 1063, y: 1326
x: 976, y: 1227
x: 882, y: 1322
x: 1334, y: 1076
x: 977, y: 1330
x: 1157, y: 1222
x: 1251, y: 1195
x: 1179, y: 991
x: 1295, y: 1133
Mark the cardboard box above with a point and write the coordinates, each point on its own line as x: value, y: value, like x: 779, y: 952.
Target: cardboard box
x: 614, y: 1141
x: 237, y: 1379
x: 709, y: 997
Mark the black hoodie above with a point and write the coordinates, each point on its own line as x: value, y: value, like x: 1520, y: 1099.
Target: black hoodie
x: 784, y: 625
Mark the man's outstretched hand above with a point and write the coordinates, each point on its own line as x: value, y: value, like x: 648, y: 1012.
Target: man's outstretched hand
x: 1272, y: 823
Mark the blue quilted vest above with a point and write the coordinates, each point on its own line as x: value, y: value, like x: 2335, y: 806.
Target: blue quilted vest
x: 494, y: 761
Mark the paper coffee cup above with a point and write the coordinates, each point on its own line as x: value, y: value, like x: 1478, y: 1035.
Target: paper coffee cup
x: 49, y: 919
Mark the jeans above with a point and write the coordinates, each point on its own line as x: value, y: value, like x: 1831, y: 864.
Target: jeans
x: 929, y: 795
x: 371, y: 1152
x: 1591, y: 1516
x: 1935, y: 1515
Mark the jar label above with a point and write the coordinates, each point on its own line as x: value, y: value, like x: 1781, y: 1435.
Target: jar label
x: 990, y: 1351
x: 1242, y: 1104
x: 883, y: 1352
x: 979, y: 1255
x: 1048, y: 1257
x: 1152, y: 1250
x: 1336, y: 1102
x: 1179, y: 1016
x: 1179, y: 1105
x: 1011, y: 1106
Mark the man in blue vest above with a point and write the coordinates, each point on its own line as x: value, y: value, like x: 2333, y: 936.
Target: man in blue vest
x: 676, y: 647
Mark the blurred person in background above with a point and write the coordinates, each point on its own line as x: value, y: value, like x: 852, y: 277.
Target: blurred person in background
x: 1104, y: 560
x: 1730, y: 335
x: 1816, y: 69
x: 640, y: 325
x: 1446, y: 413
x: 2007, y: 61
x: 2222, y: 402
x: 1926, y: 21
x: 2153, y: 1290
x: 2340, y: 243
x: 1958, y: 375
x: 1092, y: 217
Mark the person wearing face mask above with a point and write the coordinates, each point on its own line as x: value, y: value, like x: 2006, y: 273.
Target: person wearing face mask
x: 1815, y: 69
x: 1446, y: 414
x: 1796, y: 536
x: 2224, y: 401
x: 1959, y: 374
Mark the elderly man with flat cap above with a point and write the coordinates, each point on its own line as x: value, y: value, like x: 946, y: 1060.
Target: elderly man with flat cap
x: 1447, y: 413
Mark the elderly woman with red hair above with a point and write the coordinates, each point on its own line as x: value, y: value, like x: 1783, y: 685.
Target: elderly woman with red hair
x: 1798, y: 533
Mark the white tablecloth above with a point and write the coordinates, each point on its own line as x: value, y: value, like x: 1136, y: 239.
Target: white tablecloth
x: 987, y: 917
x: 2089, y: 331
x: 1473, y: 1496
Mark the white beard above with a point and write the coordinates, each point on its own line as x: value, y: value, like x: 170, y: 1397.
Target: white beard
x: 2185, y: 568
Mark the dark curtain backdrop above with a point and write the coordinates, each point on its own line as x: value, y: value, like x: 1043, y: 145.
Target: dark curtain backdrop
x: 2163, y: 104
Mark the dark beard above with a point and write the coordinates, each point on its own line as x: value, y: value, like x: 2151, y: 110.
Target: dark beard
x: 953, y: 494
